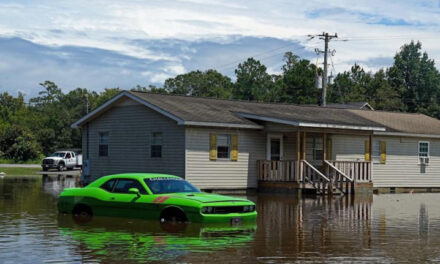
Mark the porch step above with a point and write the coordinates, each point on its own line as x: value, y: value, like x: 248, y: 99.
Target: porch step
x: 309, y: 186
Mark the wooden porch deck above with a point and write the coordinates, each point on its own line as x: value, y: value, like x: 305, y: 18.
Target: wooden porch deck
x: 333, y: 177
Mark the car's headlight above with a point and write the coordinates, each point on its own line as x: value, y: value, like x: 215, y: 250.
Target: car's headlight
x: 251, y: 208
x: 207, y: 210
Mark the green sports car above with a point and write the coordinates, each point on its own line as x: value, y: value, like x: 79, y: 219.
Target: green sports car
x: 153, y: 196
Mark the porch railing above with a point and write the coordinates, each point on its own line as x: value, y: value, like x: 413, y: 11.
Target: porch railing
x: 358, y: 171
x: 340, y: 180
x: 328, y: 177
x: 278, y: 170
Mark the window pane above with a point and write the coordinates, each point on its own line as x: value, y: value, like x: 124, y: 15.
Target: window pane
x: 423, y: 149
x: 124, y: 185
x: 156, y: 145
x: 108, y: 186
x: 103, y: 150
x: 223, y: 140
x: 376, y: 151
x: 156, y: 138
x: 222, y: 152
x: 103, y: 138
x: 156, y: 151
x: 223, y: 143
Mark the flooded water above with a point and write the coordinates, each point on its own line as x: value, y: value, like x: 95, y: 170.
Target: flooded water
x: 376, y: 229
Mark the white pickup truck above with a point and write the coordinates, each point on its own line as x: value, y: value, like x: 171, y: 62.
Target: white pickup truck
x: 62, y: 160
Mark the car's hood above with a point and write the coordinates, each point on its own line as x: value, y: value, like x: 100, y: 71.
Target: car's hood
x: 208, y: 197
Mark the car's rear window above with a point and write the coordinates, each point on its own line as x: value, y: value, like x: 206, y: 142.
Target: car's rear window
x: 169, y: 185
x: 108, y: 186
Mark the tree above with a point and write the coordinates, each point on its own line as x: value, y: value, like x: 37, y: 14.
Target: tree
x: 385, y: 96
x: 416, y: 79
x: 18, y: 143
x: 351, y: 86
x: 298, y: 82
x: 253, y: 81
x: 197, y: 83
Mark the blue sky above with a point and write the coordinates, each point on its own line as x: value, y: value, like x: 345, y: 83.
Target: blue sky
x: 107, y: 43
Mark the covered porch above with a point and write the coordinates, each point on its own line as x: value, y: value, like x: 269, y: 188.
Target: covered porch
x: 327, y: 161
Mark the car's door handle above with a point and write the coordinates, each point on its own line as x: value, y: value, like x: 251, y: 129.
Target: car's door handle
x: 112, y: 198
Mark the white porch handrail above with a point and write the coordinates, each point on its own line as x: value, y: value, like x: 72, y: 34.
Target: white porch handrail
x: 336, y: 169
x: 317, y: 171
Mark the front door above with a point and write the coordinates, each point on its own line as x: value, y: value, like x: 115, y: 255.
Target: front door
x: 274, y: 147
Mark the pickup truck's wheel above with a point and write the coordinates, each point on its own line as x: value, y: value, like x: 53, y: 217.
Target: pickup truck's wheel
x: 82, y: 213
x: 61, y: 166
x: 173, y: 214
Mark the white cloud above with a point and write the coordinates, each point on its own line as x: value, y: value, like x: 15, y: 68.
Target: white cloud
x: 376, y: 29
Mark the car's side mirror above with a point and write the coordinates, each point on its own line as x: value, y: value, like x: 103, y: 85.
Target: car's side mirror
x: 134, y: 191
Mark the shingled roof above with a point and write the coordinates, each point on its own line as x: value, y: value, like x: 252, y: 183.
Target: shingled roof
x: 197, y: 111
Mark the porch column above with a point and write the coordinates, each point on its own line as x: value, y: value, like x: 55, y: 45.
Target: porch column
x: 304, y: 146
x: 324, y: 146
x: 298, y: 155
x: 370, y: 172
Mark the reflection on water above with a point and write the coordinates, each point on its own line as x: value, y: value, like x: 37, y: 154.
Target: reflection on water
x: 379, y: 228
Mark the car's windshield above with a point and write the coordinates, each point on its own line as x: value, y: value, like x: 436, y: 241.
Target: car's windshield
x: 57, y: 154
x: 169, y: 185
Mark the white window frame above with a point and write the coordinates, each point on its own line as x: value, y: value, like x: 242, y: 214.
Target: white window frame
x: 274, y: 136
x: 229, y: 136
x: 418, y: 150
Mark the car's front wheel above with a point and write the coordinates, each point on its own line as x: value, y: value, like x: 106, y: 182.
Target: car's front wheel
x: 173, y: 214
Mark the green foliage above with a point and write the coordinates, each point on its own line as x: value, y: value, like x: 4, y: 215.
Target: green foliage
x: 298, y: 81
x: 417, y: 80
x: 18, y: 143
x: 253, y: 81
x: 197, y: 83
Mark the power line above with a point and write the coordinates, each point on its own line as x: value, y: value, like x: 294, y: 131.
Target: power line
x: 227, y: 65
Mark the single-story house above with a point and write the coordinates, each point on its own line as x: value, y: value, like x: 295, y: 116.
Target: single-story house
x: 232, y: 145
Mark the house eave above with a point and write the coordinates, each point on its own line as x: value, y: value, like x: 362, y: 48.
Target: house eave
x: 402, y: 134
x: 308, y: 124
x: 222, y: 125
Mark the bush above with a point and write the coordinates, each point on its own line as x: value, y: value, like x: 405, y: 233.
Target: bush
x: 18, y: 143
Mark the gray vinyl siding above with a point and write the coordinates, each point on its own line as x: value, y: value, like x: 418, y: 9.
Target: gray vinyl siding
x: 223, y: 174
x: 402, y: 167
x: 130, y: 126
x: 348, y: 147
x: 289, y: 146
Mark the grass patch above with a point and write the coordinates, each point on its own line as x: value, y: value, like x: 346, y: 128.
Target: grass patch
x: 11, y: 161
x: 19, y: 171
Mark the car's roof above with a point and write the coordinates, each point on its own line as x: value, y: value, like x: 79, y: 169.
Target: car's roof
x: 139, y: 176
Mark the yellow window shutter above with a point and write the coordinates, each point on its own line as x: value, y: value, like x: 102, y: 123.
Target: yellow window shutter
x: 329, y: 149
x: 367, y: 151
x: 212, y: 146
x: 383, y: 152
x: 234, y: 147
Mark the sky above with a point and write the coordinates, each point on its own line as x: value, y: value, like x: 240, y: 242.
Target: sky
x: 123, y: 43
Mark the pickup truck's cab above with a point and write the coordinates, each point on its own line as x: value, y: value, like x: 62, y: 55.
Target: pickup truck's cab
x: 62, y: 160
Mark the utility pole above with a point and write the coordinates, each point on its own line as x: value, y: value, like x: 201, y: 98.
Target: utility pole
x: 326, y: 37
